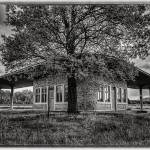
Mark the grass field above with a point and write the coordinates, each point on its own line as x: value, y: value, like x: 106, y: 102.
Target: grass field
x: 102, y: 129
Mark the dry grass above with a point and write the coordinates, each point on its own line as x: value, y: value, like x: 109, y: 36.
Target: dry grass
x: 33, y: 128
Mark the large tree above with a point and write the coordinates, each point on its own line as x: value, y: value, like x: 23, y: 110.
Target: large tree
x: 77, y: 40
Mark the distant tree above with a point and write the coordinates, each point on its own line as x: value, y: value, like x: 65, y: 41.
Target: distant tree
x: 76, y: 40
x: 24, y: 97
x: 5, y: 97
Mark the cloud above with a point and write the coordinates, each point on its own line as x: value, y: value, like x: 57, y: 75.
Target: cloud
x: 143, y: 64
x: 2, y: 69
x: 6, y: 30
x: 2, y: 14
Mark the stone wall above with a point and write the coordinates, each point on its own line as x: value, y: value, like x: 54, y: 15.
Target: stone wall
x: 86, y: 93
x: 122, y: 106
x: 103, y: 107
x: 61, y: 107
x: 40, y: 106
x: 47, y: 81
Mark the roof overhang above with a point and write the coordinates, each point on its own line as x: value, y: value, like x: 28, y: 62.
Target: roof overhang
x: 141, y: 80
x: 20, y: 83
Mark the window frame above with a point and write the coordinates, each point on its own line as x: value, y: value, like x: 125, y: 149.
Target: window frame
x: 39, y: 94
x: 103, y: 94
x: 124, y: 90
x: 45, y: 94
x: 107, y: 92
x: 118, y: 94
x: 63, y: 94
x: 100, y: 92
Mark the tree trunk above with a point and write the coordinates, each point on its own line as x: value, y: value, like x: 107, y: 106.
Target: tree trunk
x: 72, y: 95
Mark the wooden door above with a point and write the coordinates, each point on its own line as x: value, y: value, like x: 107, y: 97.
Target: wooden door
x: 51, y: 99
x: 113, y: 94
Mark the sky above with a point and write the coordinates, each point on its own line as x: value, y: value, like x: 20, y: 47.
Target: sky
x: 142, y: 64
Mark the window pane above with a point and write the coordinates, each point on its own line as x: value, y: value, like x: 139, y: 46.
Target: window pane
x: 107, y: 93
x: 37, y: 95
x: 57, y: 97
x: 119, y: 94
x: 43, y: 99
x: 60, y: 99
x: 100, y: 94
x: 59, y: 93
x: 66, y: 93
x: 44, y: 95
x: 36, y: 91
x: 37, y: 99
x: 124, y: 95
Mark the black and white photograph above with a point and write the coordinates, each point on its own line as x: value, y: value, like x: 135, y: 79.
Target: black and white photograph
x: 74, y: 74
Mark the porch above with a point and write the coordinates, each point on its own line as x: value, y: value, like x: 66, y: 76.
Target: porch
x: 9, y: 81
x: 142, y: 81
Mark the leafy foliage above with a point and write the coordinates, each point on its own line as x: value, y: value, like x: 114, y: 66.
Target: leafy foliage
x: 63, y: 35
x: 24, y: 97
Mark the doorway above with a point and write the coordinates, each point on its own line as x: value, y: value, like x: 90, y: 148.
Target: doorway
x: 113, y: 94
x: 51, y: 98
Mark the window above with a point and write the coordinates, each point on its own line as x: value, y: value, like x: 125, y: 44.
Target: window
x: 124, y: 95
x: 65, y: 93
x: 119, y: 94
x: 37, y: 95
x: 100, y: 94
x: 107, y: 94
x: 51, y: 92
x: 59, y: 90
x: 44, y: 95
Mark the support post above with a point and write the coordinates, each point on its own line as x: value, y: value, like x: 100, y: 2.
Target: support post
x: 141, y: 98
x: 115, y: 98
x: 85, y: 96
x: 0, y: 95
x: 11, y: 97
x: 149, y: 93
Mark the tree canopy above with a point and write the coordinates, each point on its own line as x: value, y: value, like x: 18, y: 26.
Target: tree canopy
x: 55, y: 32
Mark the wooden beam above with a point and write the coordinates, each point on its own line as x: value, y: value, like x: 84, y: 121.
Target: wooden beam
x: 141, y: 98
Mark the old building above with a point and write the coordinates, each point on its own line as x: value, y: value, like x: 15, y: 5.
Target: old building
x: 96, y: 94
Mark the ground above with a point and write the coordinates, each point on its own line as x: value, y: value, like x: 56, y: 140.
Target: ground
x: 33, y: 128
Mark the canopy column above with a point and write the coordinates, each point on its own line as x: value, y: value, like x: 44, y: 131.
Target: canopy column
x: 11, y: 97
x: 0, y: 94
x: 149, y: 93
x: 141, y: 98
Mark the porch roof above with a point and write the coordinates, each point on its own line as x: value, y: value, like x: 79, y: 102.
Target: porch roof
x: 143, y: 79
x: 19, y: 83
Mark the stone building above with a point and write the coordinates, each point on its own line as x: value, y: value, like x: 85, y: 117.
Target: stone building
x: 98, y: 95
